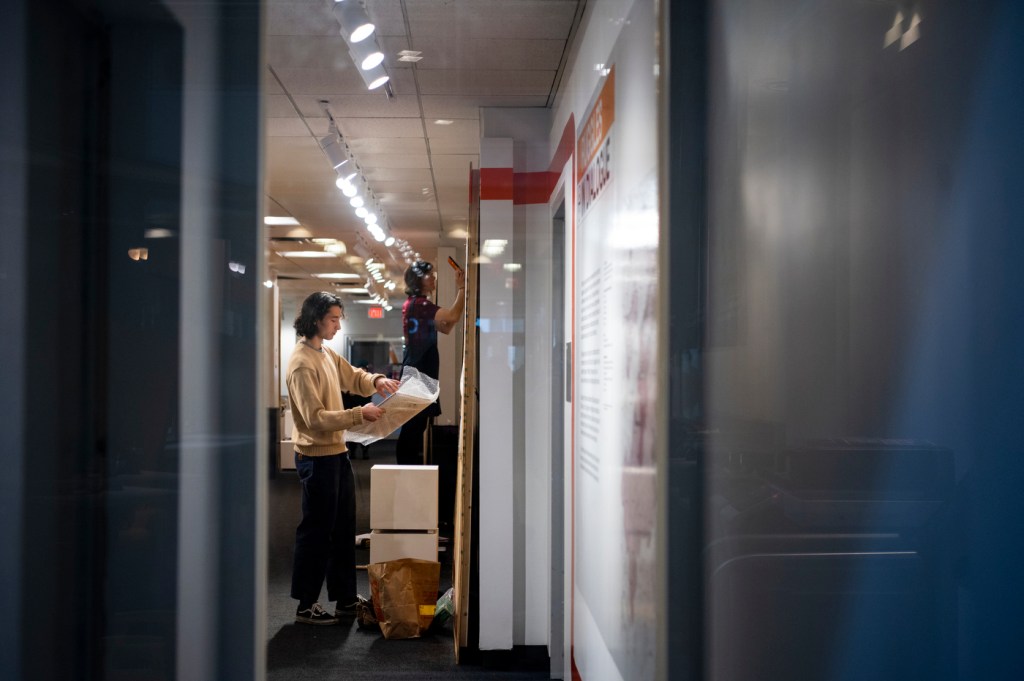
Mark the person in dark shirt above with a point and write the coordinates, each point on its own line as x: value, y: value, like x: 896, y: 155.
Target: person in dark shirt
x: 421, y: 320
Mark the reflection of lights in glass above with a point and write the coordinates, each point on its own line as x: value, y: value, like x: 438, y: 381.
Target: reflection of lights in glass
x: 512, y: 267
x: 458, y: 233
x: 389, y: 242
x: 356, y: 202
x: 634, y: 230
x: 268, y: 283
x: 158, y: 233
x: 494, y: 247
x: 138, y: 253
x: 338, y: 248
x: 236, y: 267
x: 912, y: 33
x: 323, y: 241
x: 362, y: 212
x: 482, y: 260
x: 895, y: 31
x: 370, y: 219
x: 355, y: 289
x: 379, y: 235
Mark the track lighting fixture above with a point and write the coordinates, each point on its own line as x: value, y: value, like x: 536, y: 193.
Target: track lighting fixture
x: 358, y: 31
x: 355, y: 24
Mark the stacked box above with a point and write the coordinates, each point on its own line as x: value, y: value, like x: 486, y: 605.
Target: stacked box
x: 403, y: 512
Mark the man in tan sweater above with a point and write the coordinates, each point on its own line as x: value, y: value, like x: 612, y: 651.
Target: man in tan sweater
x: 325, y: 538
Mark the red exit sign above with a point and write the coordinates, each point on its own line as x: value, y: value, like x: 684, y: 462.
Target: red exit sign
x: 375, y: 312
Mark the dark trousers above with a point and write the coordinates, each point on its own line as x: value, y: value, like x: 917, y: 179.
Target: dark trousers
x: 409, y: 448
x: 325, y: 538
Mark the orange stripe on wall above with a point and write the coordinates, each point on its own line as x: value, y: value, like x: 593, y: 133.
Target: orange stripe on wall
x: 533, y: 187
x: 496, y: 184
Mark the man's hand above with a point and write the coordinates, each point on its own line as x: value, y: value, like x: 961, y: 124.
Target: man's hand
x: 371, y: 412
x: 460, y: 279
x: 386, y: 386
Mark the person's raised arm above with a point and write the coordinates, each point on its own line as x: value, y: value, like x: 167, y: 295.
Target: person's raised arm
x: 446, y: 318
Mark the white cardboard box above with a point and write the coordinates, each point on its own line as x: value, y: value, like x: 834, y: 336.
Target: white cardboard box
x: 394, y: 545
x: 403, y: 497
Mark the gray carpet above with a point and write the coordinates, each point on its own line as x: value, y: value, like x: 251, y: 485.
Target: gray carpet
x: 296, y: 651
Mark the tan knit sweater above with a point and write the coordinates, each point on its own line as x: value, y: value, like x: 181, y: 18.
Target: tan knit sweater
x: 315, y: 383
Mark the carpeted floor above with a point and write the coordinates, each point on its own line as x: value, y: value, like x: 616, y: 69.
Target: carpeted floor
x: 297, y: 651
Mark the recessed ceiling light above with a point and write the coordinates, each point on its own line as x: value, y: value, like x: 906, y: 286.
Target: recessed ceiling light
x: 410, y: 55
x: 352, y: 290
x: 306, y: 254
x: 337, y: 276
x: 366, y: 302
x: 279, y: 220
x: 443, y: 121
x: 324, y: 241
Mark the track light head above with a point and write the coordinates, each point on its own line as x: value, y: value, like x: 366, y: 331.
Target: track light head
x: 355, y: 24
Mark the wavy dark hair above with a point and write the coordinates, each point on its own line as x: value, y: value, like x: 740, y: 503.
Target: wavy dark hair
x: 414, y: 276
x: 314, y: 308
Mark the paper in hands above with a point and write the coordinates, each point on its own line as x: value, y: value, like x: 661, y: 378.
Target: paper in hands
x: 415, y: 392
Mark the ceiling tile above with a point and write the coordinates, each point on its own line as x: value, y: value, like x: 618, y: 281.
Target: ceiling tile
x: 420, y: 175
x: 364, y: 146
x: 469, y: 106
x: 491, y: 54
x: 293, y: 126
x: 366, y: 105
x: 410, y: 160
x: 491, y: 18
x: 462, y: 82
x: 354, y: 128
x: 308, y: 52
x: 461, y: 162
x: 401, y: 186
x: 299, y: 18
x: 465, y: 145
x: 386, y: 16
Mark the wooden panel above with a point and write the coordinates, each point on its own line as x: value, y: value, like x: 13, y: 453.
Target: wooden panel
x: 467, y: 429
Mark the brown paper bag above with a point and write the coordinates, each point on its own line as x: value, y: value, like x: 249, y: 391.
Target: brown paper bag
x: 404, y: 595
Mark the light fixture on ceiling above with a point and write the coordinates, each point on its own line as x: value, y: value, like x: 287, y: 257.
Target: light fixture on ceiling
x: 443, y: 121
x: 279, y: 220
x: 336, y: 276
x: 410, y: 55
x: 374, y: 77
x: 355, y: 24
x: 358, y: 31
x: 306, y: 254
x: 366, y: 55
x: 331, y: 144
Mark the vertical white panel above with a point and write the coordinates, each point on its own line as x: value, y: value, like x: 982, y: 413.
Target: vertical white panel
x: 536, y: 279
x: 494, y: 457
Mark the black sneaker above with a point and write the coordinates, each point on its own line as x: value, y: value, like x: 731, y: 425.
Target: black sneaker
x: 314, y: 614
x: 345, y: 608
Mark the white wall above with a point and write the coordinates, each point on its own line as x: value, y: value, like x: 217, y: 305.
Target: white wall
x: 495, y: 456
